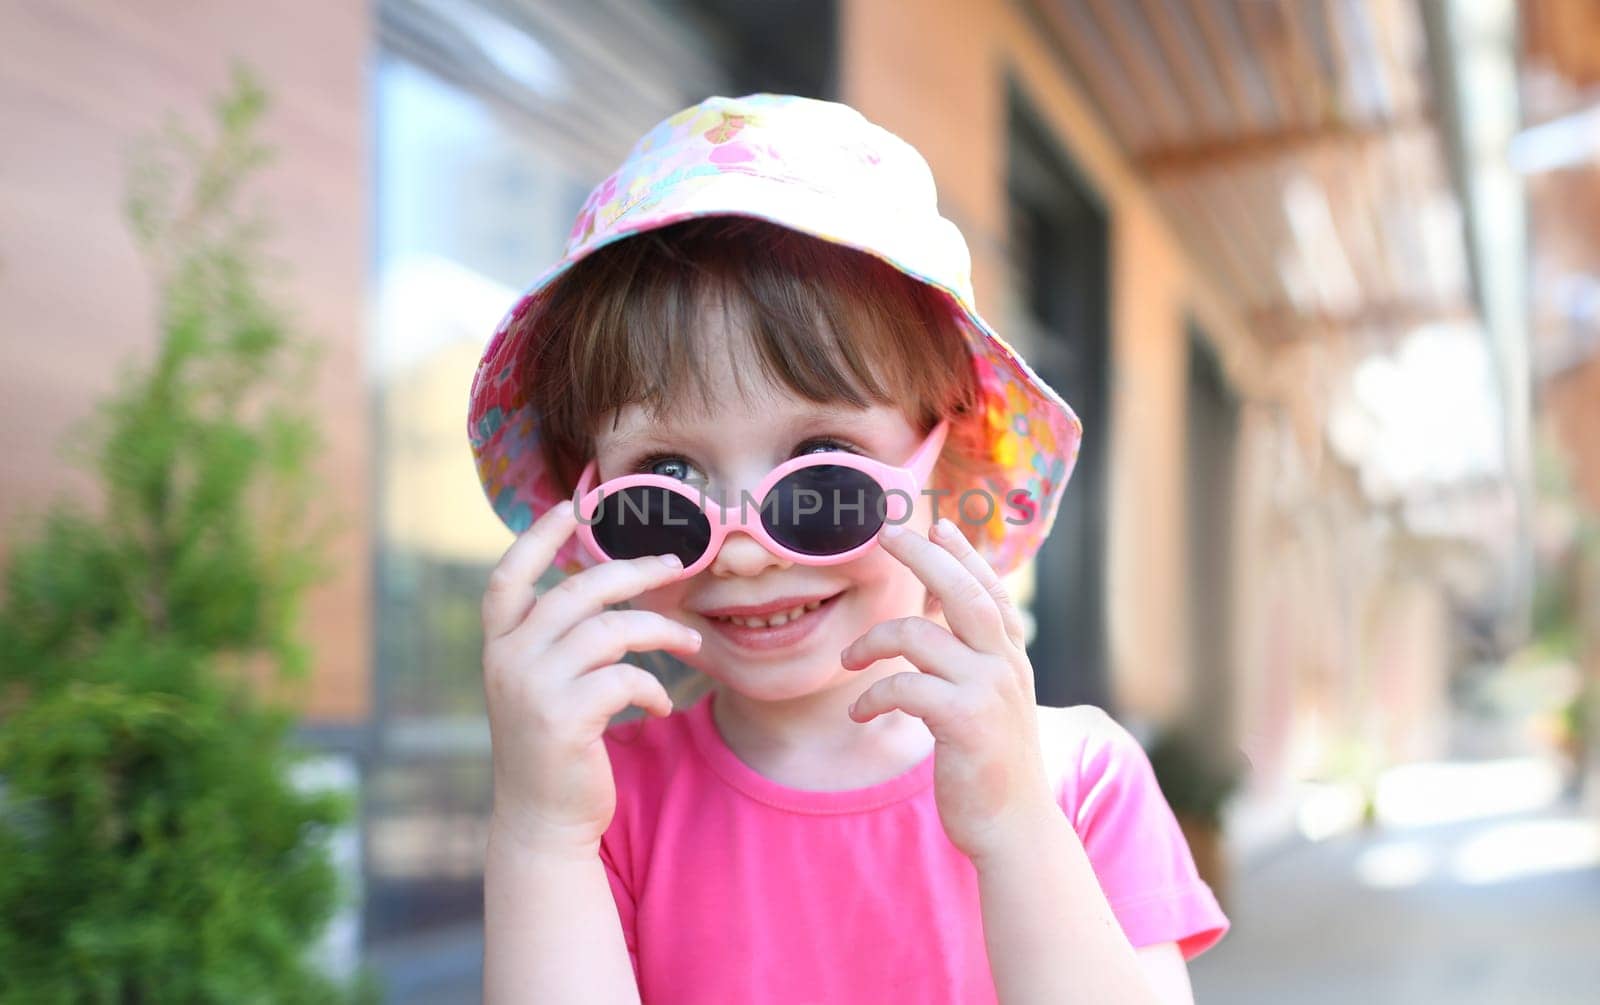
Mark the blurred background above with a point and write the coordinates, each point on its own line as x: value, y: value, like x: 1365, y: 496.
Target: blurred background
x: 1322, y: 278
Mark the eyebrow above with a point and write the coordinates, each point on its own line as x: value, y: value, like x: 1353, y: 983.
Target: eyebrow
x: 632, y: 439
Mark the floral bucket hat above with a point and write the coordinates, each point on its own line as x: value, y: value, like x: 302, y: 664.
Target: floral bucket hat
x: 820, y: 168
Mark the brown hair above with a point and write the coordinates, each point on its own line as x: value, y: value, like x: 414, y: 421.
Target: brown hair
x: 830, y: 323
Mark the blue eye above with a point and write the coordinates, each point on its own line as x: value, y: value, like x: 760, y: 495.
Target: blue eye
x: 665, y: 465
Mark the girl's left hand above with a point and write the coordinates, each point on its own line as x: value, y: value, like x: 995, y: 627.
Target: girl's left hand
x: 975, y: 692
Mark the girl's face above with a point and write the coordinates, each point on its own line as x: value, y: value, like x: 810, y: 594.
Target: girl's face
x: 729, y: 446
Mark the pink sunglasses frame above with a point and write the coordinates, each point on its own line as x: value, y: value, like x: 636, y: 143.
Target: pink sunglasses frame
x: 907, y: 479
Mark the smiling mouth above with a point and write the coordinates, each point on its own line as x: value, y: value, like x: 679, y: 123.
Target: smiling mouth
x: 775, y: 619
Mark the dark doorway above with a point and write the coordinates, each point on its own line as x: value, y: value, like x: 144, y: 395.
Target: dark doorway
x: 1059, y: 239
x: 1213, y: 425
x: 781, y: 46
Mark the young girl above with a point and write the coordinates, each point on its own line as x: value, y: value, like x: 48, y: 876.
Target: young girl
x: 756, y: 418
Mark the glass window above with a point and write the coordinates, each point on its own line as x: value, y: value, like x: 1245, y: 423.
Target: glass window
x: 485, y: 147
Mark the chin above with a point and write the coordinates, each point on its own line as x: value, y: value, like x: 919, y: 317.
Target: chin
x: 774, y: 681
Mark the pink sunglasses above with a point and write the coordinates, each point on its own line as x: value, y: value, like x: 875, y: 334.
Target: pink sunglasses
x: 815, y: 509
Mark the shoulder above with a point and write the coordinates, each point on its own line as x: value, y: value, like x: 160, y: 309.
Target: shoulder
x: 644, y: 735
x: 1086, y: 750
x: 1133, y: 841
x: 649, y: 757
x: 645, y: 750
x: 1077, y: 733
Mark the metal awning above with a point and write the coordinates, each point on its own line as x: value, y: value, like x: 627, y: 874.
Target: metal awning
x: 1295, y: 145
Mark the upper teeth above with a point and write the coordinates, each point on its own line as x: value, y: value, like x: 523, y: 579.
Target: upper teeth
x: 773, y: 620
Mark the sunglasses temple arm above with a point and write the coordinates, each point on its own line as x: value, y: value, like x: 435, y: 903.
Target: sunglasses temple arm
x: 922, y: 463
x: 585, y: 483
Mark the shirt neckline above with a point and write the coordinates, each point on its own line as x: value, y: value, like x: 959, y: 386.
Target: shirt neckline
x: 708, y: 740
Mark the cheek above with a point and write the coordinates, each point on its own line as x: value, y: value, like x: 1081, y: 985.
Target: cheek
x: 891, y: 589
x: 664, y: 600
x: 922, y: 513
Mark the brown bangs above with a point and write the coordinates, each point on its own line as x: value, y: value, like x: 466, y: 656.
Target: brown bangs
x: 627, y: 325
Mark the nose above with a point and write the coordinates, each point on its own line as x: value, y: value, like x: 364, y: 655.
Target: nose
x: 743, y: 555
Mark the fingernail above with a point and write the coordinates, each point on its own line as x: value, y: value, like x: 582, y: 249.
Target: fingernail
x: 696, y: 635
x: 893, y: 530
x: 946, y: 528
x: 671, y: 560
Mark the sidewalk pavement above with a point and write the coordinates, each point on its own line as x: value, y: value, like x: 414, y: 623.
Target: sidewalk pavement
x: 1502, y: 909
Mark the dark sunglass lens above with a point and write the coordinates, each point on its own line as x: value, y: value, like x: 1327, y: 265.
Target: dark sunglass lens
x: 824, y: 509
x: 649, y: 520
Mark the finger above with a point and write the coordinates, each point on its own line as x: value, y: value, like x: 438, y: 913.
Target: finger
x: 603, y: 692
x: 510, y: 590
x: 609, y: 635
x: 968, y: 606
x: 932, y: 649
x: 948, y: 536
x: 591, y: 591
x: 927, y: 697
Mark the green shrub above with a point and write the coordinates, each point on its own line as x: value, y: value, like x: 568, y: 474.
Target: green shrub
x: 1197, y: 775
x: 153, y: 847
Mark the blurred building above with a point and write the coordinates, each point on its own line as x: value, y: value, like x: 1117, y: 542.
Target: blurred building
x: 1247, y: 241
x: 1558, y: 153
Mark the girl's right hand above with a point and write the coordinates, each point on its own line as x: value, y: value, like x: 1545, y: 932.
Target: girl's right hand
x: 552, y: 682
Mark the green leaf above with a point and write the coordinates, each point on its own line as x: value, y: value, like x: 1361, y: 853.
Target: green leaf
x: 154, y: 847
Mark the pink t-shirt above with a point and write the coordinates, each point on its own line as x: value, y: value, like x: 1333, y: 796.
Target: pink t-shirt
x: 733, y: 888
